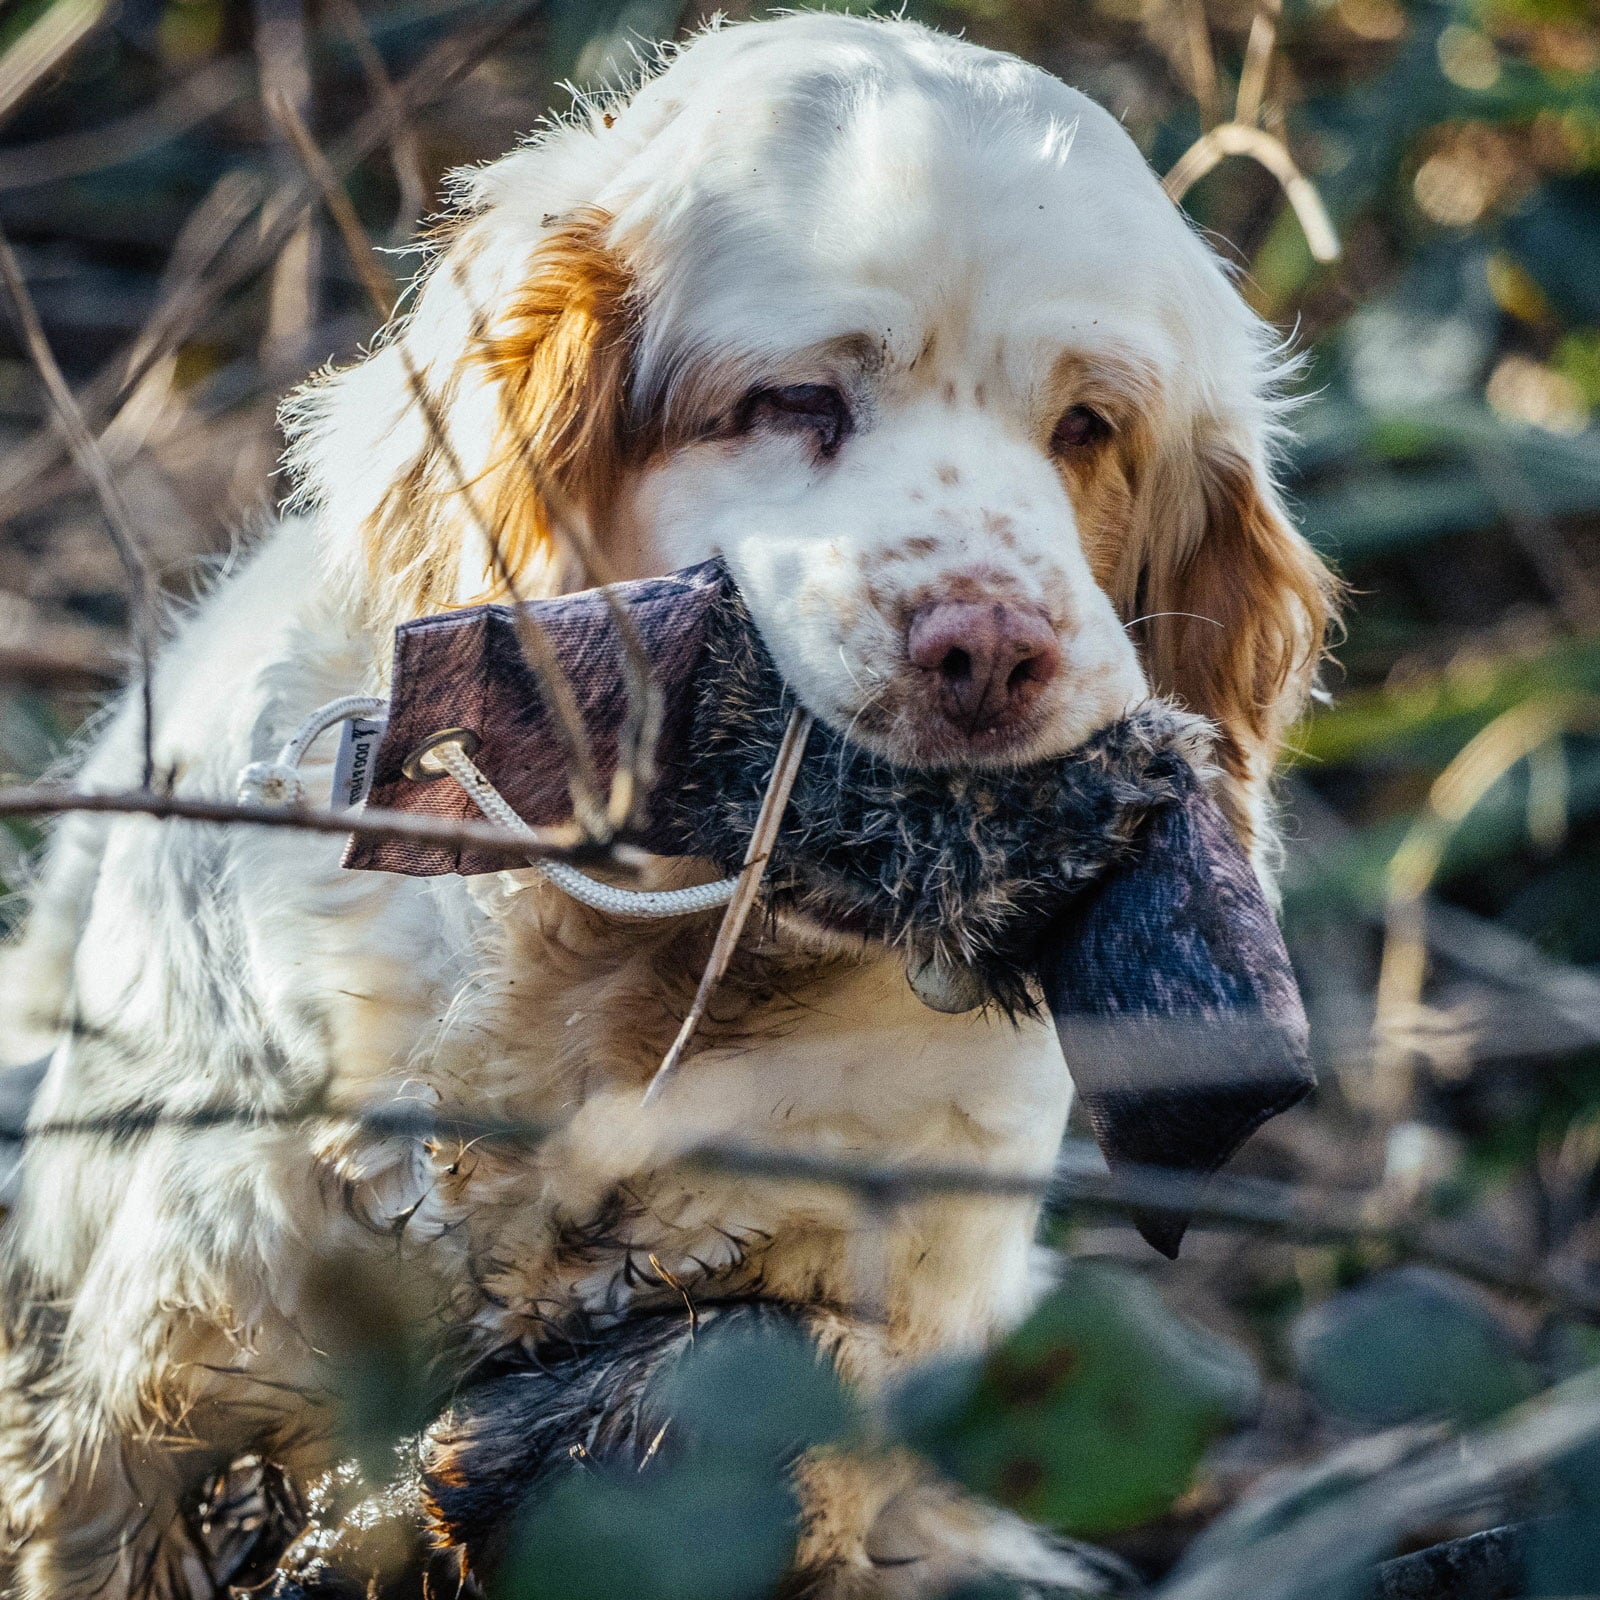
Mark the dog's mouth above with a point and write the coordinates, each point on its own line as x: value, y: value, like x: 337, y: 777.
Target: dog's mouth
x: 914, y: 735
x: 916, y: 721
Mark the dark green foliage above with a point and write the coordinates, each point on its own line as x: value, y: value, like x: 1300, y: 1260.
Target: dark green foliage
x: 1093, y: 1415
x: 1407, y: 1346
x: 709, y: 1516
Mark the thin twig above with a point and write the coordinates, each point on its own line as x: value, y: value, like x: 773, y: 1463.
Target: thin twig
x: 92, y: 464
x: 1509, y: 739
x: 26, y: 477
x: 60, y: 666
x: 1257, y: 62
x: 405, y: 152
x: 558, y: 843
x: 1237, y: 139
x: 634, y: 774
x: 192, y: 100
x: 1202, y: 61
x: 583, y: 776
x: 1296, y: 1556
x: 785, y: 769
x: 1571, y: 591
x: 555, y: 688
x: 1078, y: 1181
x: 637, y: 738
x: 358, y: 247
x: 537, y: 650
x: 43, y: 46
x: 202, y: 238
x: 296, y: 276
x: 433, y: 77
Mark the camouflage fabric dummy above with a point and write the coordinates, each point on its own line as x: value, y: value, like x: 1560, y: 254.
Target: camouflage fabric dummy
x: 1103, y: 885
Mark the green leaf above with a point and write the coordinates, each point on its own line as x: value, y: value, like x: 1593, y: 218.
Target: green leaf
x: 1289, y: 1496
x: 1094, y: 1414
x: 757, y: 1394
x: 695, y: 1530
x: 712, y: 1515
x: 1408, y: 1345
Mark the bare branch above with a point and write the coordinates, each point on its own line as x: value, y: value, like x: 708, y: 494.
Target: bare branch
x: 536, y: 648
x: 191, y: 101
x: 1257, y: 62
x: 563, y: 843
x: 641, y: 727
x: 1298, y: 1556
x: 1202, y: 60
x: 363, y: 255
x: 43, y: 45
x: 92, y: 463
x: 296, y: 275
x: 1237, y: 139
x: 26, y: 477
x: 641, y: 724
x: 430, y: 80
x: 1078, y: 1182
x: 785, y: 769
x: 59, y: 667
x: 204, y: 235
x: 405, y: 150
x: 1510, y: 738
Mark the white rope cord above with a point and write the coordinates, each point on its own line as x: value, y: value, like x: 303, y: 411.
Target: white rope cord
x: 279, y: 782
x: 650, y: 903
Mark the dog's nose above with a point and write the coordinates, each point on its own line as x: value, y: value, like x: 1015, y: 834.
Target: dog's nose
x: 988, y: 661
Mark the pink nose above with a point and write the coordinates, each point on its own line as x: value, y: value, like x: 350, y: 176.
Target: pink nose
x: 987, y: 662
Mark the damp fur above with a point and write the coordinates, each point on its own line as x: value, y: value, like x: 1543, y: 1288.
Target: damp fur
x: 963, y: 868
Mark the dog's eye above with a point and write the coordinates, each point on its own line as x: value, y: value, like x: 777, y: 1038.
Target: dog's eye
x: 1080, y: 428
x: 815, y: 407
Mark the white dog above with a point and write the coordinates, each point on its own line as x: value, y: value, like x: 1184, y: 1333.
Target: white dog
x: 908, y: 332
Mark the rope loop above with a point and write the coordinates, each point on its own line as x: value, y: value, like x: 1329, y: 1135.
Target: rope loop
x: 449, y: 752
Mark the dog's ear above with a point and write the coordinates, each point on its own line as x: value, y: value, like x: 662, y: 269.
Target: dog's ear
x: 1239, y: 608
x: 426, y: 462
x: 558, y: 360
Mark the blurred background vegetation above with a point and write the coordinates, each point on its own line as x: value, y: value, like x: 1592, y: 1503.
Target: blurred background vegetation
x: 1442, y: 798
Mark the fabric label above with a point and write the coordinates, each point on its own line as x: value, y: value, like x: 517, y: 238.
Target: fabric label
x: 353, y: 767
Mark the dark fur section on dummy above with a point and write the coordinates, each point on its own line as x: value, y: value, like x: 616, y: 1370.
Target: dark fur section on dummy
x: 443, y: 1525
x: 963, y: 868
x: 443, y: 1528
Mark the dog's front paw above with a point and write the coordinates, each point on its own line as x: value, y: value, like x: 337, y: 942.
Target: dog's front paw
x: 930, y: 1540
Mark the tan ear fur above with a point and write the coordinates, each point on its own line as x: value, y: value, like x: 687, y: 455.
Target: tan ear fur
x: 560, y: 360
x: 544, y: 373
x: 1254, y: 603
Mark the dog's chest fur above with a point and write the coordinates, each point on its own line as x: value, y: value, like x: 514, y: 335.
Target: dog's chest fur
x: 815, y: 1052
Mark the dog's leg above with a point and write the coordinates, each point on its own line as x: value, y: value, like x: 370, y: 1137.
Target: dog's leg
x: 125, y: 1388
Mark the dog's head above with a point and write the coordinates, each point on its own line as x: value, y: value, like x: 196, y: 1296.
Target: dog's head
x: 904, y: 329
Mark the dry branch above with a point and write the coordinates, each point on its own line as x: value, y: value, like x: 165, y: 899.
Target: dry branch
x: 537, y: 651
x: 191, y: 101
x: 405, y: 151
x: 1302, y: 1555
x: 439, y: 71
x: 1078, y: 1182
x: 92, y: 463
x: 1238, y: 139
x: 43, y: 46
x: 544, y: 843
